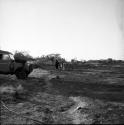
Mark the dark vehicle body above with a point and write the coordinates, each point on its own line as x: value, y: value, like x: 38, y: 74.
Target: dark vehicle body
x: 8, y: 65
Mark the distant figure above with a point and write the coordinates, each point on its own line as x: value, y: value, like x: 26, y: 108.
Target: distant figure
x: 57, y: 64
x: 62, y: 66
x: 0, y: 56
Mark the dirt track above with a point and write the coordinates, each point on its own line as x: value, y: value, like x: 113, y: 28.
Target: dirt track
x: 73, y: 97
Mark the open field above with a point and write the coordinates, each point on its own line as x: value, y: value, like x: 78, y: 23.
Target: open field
x: 82, y: 95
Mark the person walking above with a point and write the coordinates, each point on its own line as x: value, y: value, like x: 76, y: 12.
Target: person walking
x: 57, y: 64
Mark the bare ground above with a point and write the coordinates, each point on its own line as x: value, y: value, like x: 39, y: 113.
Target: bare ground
x: 64, y: 97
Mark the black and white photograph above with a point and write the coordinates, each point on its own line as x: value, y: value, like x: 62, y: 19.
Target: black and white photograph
x: 61, y: 62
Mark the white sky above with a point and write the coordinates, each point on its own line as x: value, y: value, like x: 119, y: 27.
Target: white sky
x: 86, y: 29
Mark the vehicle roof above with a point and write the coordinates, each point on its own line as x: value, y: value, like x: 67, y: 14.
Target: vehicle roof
x: 4, y: 52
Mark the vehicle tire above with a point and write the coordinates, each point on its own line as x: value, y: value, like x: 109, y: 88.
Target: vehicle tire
x: 21, y: 74
x: 30, y: 68
x: 27, y: 75
x: 11, y: 67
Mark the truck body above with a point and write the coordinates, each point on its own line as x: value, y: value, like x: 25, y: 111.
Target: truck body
x: 8, y: 65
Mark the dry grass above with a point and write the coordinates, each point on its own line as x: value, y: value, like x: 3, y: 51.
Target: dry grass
x: 90, y: 97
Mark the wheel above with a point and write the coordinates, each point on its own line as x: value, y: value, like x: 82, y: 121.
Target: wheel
x: 11, y: 67
x: 21, y: 74
x: 30, y: 68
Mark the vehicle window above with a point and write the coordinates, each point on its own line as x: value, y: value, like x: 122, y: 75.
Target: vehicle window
x: 11, y: 56
x: 5, y: 57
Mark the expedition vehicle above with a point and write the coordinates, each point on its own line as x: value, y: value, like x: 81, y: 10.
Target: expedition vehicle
x: 10, y: 65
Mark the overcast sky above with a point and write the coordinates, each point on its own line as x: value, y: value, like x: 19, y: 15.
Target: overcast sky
x: 86, y: 29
